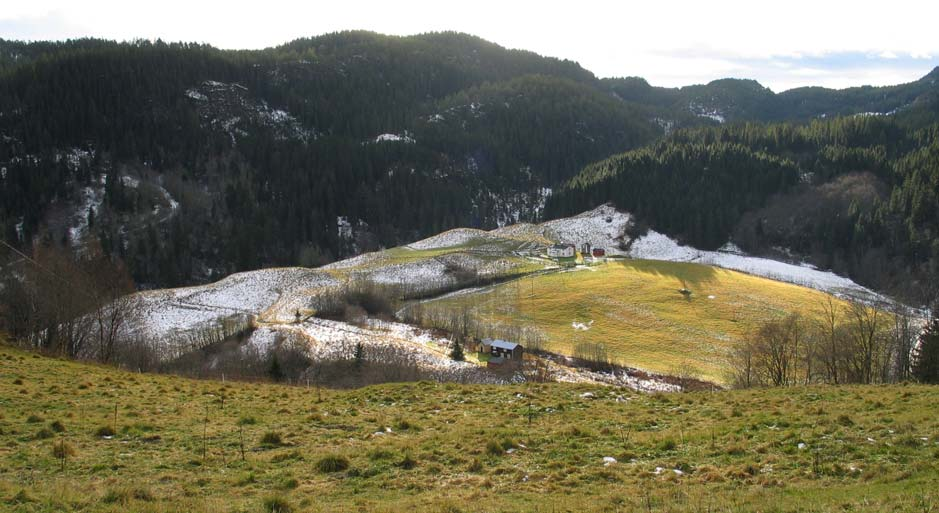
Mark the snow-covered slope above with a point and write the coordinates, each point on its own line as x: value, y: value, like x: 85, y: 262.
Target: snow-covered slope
x: 602, y: 227
x: 656, y: 246
x: 450, y: 238
x: 271, y: 297
x: 166, y: 315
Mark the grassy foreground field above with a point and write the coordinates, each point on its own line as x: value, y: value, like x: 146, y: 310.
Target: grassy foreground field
x: 635, y: 309
x: 176, y: 446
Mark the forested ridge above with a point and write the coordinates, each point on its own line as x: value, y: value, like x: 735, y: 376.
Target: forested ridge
x: 188, y: 162
x: 265, y: 151
x: 858, y: 194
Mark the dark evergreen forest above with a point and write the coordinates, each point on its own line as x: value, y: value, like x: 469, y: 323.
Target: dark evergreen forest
x: 188, y: 162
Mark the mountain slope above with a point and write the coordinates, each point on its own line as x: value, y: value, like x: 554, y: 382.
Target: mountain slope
x: 293, y: 141
x: 500, y: 283
x: 734, y: 100
x: 343, y: 143
x: 426, y: 447
x: 787, y: 188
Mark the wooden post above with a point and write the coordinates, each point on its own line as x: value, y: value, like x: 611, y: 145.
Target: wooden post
x: 241, y: 428
x: 205, y: 431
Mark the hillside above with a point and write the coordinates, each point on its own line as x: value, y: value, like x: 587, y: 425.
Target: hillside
x: 635, y: 309
x: 400, y: 137
x: 407, y: 305
x: 850, y: 194
x: 148, y: 443
x: 330, y: 146
x: 734, y: 100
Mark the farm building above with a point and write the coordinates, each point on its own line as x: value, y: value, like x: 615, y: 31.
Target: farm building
x: 502, y: 349
x: 599, y: 252
x: 585, y: 249
x: 561, y: 251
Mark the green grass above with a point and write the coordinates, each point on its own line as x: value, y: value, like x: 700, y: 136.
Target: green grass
x: 455, y: 447
x: 639, y: 313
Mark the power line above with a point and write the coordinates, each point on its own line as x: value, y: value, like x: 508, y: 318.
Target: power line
x: 43, y: 268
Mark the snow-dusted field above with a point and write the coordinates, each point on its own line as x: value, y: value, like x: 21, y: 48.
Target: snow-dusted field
x: 450, y: 238
x: 656, y: 246
x: 172, y: 312
x: 271, y: 297
x: 602, y: 227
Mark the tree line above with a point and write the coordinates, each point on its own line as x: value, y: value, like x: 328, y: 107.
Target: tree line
x: 699, y: 185
x: 258, y: 198
x: 838, y: 344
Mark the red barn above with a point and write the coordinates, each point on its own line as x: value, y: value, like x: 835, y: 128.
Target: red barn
x: 599, y: 252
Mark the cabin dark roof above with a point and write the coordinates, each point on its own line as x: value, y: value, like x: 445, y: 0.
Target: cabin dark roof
x: 501, y: 344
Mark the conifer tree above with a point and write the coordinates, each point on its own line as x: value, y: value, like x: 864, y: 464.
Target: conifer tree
x: 926, y: 362
x: 457, y: 352
x: 275, y: 371
x: 359, y: 355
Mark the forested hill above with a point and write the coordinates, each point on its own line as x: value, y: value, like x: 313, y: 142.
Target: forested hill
x: 233, y: 160
x: 729, y: 100
x: 188, y: 162
x: 857, y: 195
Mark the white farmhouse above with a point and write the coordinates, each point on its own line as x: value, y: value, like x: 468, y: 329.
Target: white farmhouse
x: 561, y: 251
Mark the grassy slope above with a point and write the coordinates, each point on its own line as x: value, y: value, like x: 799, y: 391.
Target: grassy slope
x: 739, y: 450
x: 639, y: 313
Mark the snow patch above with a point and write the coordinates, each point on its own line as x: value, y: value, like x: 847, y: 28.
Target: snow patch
x: 449, y: 239
x: 581, y: 326
x: 656, y: 246
x: 602, y: 227
x: 406, y: 138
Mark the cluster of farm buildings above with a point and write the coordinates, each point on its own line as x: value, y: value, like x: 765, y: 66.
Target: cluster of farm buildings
x: 566, y: 254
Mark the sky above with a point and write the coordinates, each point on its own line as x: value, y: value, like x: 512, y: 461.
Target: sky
x: 669, y: 43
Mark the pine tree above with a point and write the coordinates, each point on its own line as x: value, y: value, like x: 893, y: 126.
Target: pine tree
x: 926, y: 363
x: 457, y: 352
x: 359, y: 355
x: 275, y: 371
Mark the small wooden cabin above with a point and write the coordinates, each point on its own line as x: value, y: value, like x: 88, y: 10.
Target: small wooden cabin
x: 502, y: 349
x: 599, y: 252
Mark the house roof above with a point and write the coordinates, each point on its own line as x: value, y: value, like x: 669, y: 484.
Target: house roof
x: 501, y: 344
x: 563, y: 246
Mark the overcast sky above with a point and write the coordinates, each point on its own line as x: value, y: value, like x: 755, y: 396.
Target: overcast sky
x: 781, y: 44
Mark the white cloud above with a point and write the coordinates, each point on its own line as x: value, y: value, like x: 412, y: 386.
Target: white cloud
x: 669, y: 42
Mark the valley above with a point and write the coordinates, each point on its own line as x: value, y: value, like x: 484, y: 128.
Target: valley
x: 652, y: 305
x: 426, y: 272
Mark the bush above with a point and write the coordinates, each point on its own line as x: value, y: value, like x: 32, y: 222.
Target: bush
x: 277, y: 504
x: 57, y: 426
x: 407, y: 463
x: 380, y: 454
x: 494, y: 448
x: 43, y: 434
x: 332, y: 463
x: 124, y: 495
x: 104, y: 431
x: 272, y: 439
x: 62, y: 449
x: 289, y: 483
x: 33, y: 419
x: 247, y: 421
x: 404, y: 425
x: 667, y: 445
x: 475, y: 466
